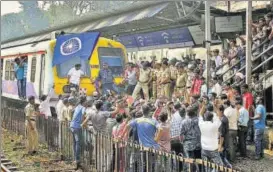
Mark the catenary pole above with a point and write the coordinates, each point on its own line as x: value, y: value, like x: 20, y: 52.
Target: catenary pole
x: 208, y: 40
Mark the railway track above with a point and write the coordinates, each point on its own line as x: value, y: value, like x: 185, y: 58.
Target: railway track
x: 8, y: 166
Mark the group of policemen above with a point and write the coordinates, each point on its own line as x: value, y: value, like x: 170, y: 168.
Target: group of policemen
x: 167, y: 79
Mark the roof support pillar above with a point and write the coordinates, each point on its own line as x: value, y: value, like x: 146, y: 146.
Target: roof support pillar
x: 248, y: 41
x: 208, y: 41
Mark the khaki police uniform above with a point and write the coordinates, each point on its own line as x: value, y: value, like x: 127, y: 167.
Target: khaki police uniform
x: 143, y: 83
x: 156, y: 86
x: 166, y: 74
x: 174, y: 73
x: 181, y: 82
x: 189, y: 85
x: 31, y: 134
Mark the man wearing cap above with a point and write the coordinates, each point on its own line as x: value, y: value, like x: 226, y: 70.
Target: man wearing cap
x: 74, y: 76
x: 165, y: 80
x: 31, y: 130
x: 106, y: 79
x: 180, y: 86
x: 145, y: 77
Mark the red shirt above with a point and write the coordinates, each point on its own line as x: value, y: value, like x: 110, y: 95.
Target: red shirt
x: 248, y: 102
x: 157, y: 113
x: 196, y: 86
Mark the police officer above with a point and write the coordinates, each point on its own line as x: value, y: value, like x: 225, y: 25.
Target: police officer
x: 156, y: 77
x: 182, y: 77
x: 31, y: 130
x: 173, y: 71
x: 144, y: 78
x: 165, y: 81
x: 190, y: 73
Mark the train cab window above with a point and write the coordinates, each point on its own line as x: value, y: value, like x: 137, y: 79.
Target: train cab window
x: 64, y: 68
x: 114, y: 58
x: 33, y: 69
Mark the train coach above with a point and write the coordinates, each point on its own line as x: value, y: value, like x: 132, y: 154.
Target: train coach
x: 42, y: 73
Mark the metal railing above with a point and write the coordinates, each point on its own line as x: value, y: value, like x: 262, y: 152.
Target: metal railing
x: 242, y: 59
x: 101, y: 153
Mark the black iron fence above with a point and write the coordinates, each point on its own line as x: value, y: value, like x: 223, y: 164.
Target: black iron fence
x: 101, y: 153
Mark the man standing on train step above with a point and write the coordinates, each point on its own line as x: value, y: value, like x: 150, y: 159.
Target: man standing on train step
x: 74, y: 76
x: 25, y: 66
x: 19, y: 75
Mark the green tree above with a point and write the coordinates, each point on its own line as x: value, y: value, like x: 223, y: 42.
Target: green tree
x: 11, y: 26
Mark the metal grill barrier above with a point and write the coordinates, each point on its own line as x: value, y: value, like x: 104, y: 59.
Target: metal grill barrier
x: 103, y: 154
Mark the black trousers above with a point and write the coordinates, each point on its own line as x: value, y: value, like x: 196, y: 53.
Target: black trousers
x: 242, y: 134
x: 177, y: 147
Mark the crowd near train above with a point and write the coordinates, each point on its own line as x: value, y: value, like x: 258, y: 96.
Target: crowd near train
x: 167, y: 103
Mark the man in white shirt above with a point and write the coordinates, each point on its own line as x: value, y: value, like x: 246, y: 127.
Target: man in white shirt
x: 231, y: 114
x: 204, y: 88
x: 218, y: 58
x: 131, y: 78
x: 44, y: 107
x: 209, y: 126
x: 217, y: 88
x: 59, y: 106
x: 74, y: 76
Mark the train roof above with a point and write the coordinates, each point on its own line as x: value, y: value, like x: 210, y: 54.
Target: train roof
x: 96, y: 21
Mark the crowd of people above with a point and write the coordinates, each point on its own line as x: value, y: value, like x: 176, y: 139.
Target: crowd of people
x: 167, y: 105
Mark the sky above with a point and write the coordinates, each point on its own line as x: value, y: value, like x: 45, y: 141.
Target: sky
x: 10, y: 7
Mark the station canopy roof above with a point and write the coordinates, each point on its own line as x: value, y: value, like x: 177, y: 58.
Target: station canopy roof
x: 140, y: 18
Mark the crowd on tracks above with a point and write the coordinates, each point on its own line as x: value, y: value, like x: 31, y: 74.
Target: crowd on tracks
x: 168, y: 106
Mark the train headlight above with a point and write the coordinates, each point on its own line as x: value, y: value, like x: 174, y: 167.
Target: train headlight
x: 67, y: 89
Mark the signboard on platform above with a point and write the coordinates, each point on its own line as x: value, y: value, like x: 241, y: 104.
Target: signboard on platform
x: 179, y: 37
x: 198, y: 35
x: 229, y: 24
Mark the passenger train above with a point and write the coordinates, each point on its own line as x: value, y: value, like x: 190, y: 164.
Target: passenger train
x: 42, y: 75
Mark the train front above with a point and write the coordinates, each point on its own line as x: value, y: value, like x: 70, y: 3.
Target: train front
x: 90, y: 51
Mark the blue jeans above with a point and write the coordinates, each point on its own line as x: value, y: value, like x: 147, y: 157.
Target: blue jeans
x: 213, y: 156
x: 259, y: 139
x: 21, y: 85
x: 24, y: 88
x: 224, y: 158
x: 76, y: 132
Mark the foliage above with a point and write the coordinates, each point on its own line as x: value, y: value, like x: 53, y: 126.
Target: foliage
x: 37, y: 16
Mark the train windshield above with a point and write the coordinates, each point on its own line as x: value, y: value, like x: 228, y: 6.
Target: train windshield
x: 64, y: 68
x: 114, y: 58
